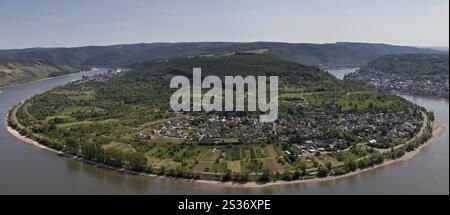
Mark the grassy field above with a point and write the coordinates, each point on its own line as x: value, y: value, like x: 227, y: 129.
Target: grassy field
x: 123, y: 147
x: 167, y: 140
x: 234, y: 166
x: 81, y: 98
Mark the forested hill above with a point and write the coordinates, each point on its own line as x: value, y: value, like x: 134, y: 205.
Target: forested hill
x: 420, y: 74
x: 330, y: 55
x: 409, y: 65
x: 150, y: 82
x: 17, y: 71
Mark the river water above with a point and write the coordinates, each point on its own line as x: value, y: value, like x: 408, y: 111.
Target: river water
x: 25, y: 169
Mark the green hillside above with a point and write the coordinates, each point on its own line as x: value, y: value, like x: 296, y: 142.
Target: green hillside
x: 408, y: 65
x: 332, y: 55
x: 18, y: 71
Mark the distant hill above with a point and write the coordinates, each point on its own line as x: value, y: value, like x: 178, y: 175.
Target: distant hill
x: 18, y: 71
x: 438, y: 48
x: 419, y: 74
x: 332, y: 55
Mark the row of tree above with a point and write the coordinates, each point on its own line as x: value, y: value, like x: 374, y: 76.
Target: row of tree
x: 350, y: 165
x: 94, y: 151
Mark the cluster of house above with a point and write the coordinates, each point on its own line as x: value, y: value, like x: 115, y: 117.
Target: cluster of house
x: 102, y: 77
x: 313, y: 133
x: 172, y: 128
x: 394, y: 124
x: 214, y: 128
x: 368, y: 126
x: 417, y: 85
x: 308, y: 134
x: 308, y: 147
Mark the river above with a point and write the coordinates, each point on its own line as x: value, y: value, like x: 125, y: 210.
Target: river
x: 26, y: 169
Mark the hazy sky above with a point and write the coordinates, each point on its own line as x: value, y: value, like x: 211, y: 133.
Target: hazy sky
x: 50, y: 23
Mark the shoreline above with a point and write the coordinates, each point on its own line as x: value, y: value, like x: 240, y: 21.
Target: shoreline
x: 415, y: 95
x: 46, y: 78
x: 438, y: 129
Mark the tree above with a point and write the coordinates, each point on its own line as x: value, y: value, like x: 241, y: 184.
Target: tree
x: 351, y: 165
x: 227, y: 175
x: 323, y: 171
x: 114, y: 157
x: 303, y: 171
x: 431, y: 115
x: 329, y: 165
x: 265, y: 176
x: 92, y: 151
x: 339, y: 171
x: 135, y: 161
x: 363, y: 163
x: 243, y: 176
x: 255, y: 166
x: 377, y: 158
x: 297, y: 175
x: 71, y: 146
x: 371, y: 106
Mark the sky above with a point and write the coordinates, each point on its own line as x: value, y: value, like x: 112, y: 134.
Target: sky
x: 68, y: 23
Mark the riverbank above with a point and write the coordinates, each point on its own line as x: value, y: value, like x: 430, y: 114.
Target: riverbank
x: 43, y: 79
x: 438, y: 129
x: 429, y: 97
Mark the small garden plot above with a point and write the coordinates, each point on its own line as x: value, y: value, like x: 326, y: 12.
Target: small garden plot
x: 233, y: 154
x: 231, y: 140
x: 167, y: 140
x: 204, y: 154
x: 216, y: 154
x: 260, y: 152
x: 219, y: 167
x: 274, y: 165
x: 186, y: 153
x: 203, y: 166
x: 157, y: 152
x: 234, y: 166
x: 271, y: 150
x: 166, y: 163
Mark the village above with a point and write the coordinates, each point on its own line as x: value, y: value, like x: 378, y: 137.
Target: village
x: 305, y: 135
x: 103, y: 77
x: 432, y: 86
x: 417, y: 74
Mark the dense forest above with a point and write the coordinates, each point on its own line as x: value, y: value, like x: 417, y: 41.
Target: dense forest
x: 330, y: 55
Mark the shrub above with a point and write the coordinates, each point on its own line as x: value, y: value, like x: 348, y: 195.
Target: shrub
x: 323, y: 171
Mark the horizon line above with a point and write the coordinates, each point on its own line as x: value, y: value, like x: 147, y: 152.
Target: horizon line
x: 261, y: 41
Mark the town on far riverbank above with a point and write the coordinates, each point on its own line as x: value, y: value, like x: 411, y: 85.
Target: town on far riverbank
x: 415, y: 74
